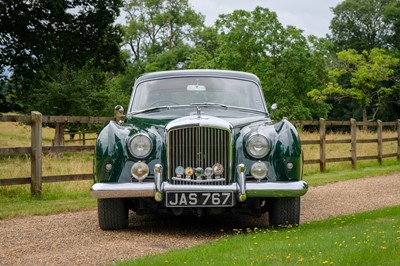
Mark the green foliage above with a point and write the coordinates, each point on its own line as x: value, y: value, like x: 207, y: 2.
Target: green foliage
x: 39, y: 37
x: 288, y: 64
x: 366, y: 77
x: 158, y: 33
x: 8, y: 96
x: 69, y: 91
x: 365, y: 24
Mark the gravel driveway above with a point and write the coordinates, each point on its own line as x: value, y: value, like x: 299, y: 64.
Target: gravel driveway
x: 75, y: 238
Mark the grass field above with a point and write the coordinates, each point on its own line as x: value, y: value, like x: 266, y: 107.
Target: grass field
x: 371, y: 238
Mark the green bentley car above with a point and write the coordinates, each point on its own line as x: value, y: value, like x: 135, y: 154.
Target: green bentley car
x: 197, y: 142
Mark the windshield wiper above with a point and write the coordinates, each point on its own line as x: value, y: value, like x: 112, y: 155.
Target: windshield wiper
x: 249, y: 110
x: 151, y: 109
x: 224, y: 106
x: 210, y: 104
x: 159, y: 108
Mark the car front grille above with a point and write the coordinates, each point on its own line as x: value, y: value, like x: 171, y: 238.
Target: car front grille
x: 199, y: 147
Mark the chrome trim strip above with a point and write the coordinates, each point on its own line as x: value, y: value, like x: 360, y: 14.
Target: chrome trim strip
x: 167, y: 187
x: 123, y: 190
x: 158, y: 181
x: 253, y: 190
x: 276, y: 189
x: 241, y: 168
x: 201, y: 181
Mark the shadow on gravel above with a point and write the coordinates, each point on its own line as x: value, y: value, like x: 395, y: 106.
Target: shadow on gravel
x: 192, y: 225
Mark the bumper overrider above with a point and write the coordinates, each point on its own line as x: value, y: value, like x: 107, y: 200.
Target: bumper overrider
x: 158, y: 188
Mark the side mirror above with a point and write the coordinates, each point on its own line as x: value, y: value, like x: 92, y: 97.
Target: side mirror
x: 274, y: 107
x: 119, y: 113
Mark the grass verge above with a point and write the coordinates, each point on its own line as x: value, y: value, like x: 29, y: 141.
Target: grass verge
x: 16, y: 201
x: 371, y: 238
x: 364, y: 169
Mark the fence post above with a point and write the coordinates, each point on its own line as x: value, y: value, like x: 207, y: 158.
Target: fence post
x: 322, y: 145
x: 353, y: 149
x: 380, y: 150
x: 36, y: 154
x: 398, y: 139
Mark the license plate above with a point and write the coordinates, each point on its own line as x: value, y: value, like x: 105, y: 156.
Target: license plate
x: 199, y: 199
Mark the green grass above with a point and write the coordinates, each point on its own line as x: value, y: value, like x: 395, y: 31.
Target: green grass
x: 371, y: 238
x: 16, y: 201
x: 364, y: 169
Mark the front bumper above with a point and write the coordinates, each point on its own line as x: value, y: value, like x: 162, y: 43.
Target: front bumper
x: 156, y: 189
x: 252, y: 190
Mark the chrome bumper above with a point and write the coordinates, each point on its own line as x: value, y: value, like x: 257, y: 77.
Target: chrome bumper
x: 241, y: 188
x: 252, y: 190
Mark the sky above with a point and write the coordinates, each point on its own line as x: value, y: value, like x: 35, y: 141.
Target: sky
x: 311, y: 16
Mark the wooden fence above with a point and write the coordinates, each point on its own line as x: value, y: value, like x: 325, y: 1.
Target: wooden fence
x: 353, y: 124
x: 36, y: 150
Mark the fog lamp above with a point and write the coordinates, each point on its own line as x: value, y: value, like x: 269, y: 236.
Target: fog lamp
x: 140, y: 171
x: 108, y: 167
x: 259, y: 170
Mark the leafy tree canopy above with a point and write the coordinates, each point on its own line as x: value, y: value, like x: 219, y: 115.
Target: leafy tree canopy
x: 366, y: 77
x: 288, y: 64
x: 158, y: 31
x: 366, y: 24
x: 37, y: 37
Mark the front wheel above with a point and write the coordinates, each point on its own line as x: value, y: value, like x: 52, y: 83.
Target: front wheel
x: 284, y: 212
x: 113, y: 214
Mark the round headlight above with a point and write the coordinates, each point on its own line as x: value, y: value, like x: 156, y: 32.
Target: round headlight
x: 140, y: 170
x: 140, y: 146
x: 258, y: 146
x: 259, y: 170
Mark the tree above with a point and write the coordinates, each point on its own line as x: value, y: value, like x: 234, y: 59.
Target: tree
x: 365, y: 24
x: 366, y: 77
x: 41, y: 35
x: 155, y: 27
x: 288, y: 64
x: 392, y: 18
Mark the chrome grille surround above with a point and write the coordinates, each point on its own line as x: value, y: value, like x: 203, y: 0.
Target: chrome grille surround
x: 199, y: 146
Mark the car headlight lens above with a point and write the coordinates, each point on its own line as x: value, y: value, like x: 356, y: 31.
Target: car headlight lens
x: 258, y: 146
x: 140, y: 171
x: 259, y: 170
x: 140, y: 146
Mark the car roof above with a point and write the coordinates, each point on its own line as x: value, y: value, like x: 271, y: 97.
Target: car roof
x: 199, y: 72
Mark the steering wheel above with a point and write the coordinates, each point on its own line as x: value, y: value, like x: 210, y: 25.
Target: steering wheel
x: 163, y: 103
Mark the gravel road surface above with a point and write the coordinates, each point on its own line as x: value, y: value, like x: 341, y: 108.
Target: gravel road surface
x: 75, y: 238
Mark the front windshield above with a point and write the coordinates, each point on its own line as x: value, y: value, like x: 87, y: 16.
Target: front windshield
x: 188, y: 90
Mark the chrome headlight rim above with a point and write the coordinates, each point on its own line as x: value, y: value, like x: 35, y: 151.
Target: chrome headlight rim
x: 250, y: 146
x: 140, y: 154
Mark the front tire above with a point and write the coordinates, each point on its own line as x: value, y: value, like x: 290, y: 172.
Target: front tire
x: 284, y: 212
x: 113, y: 214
